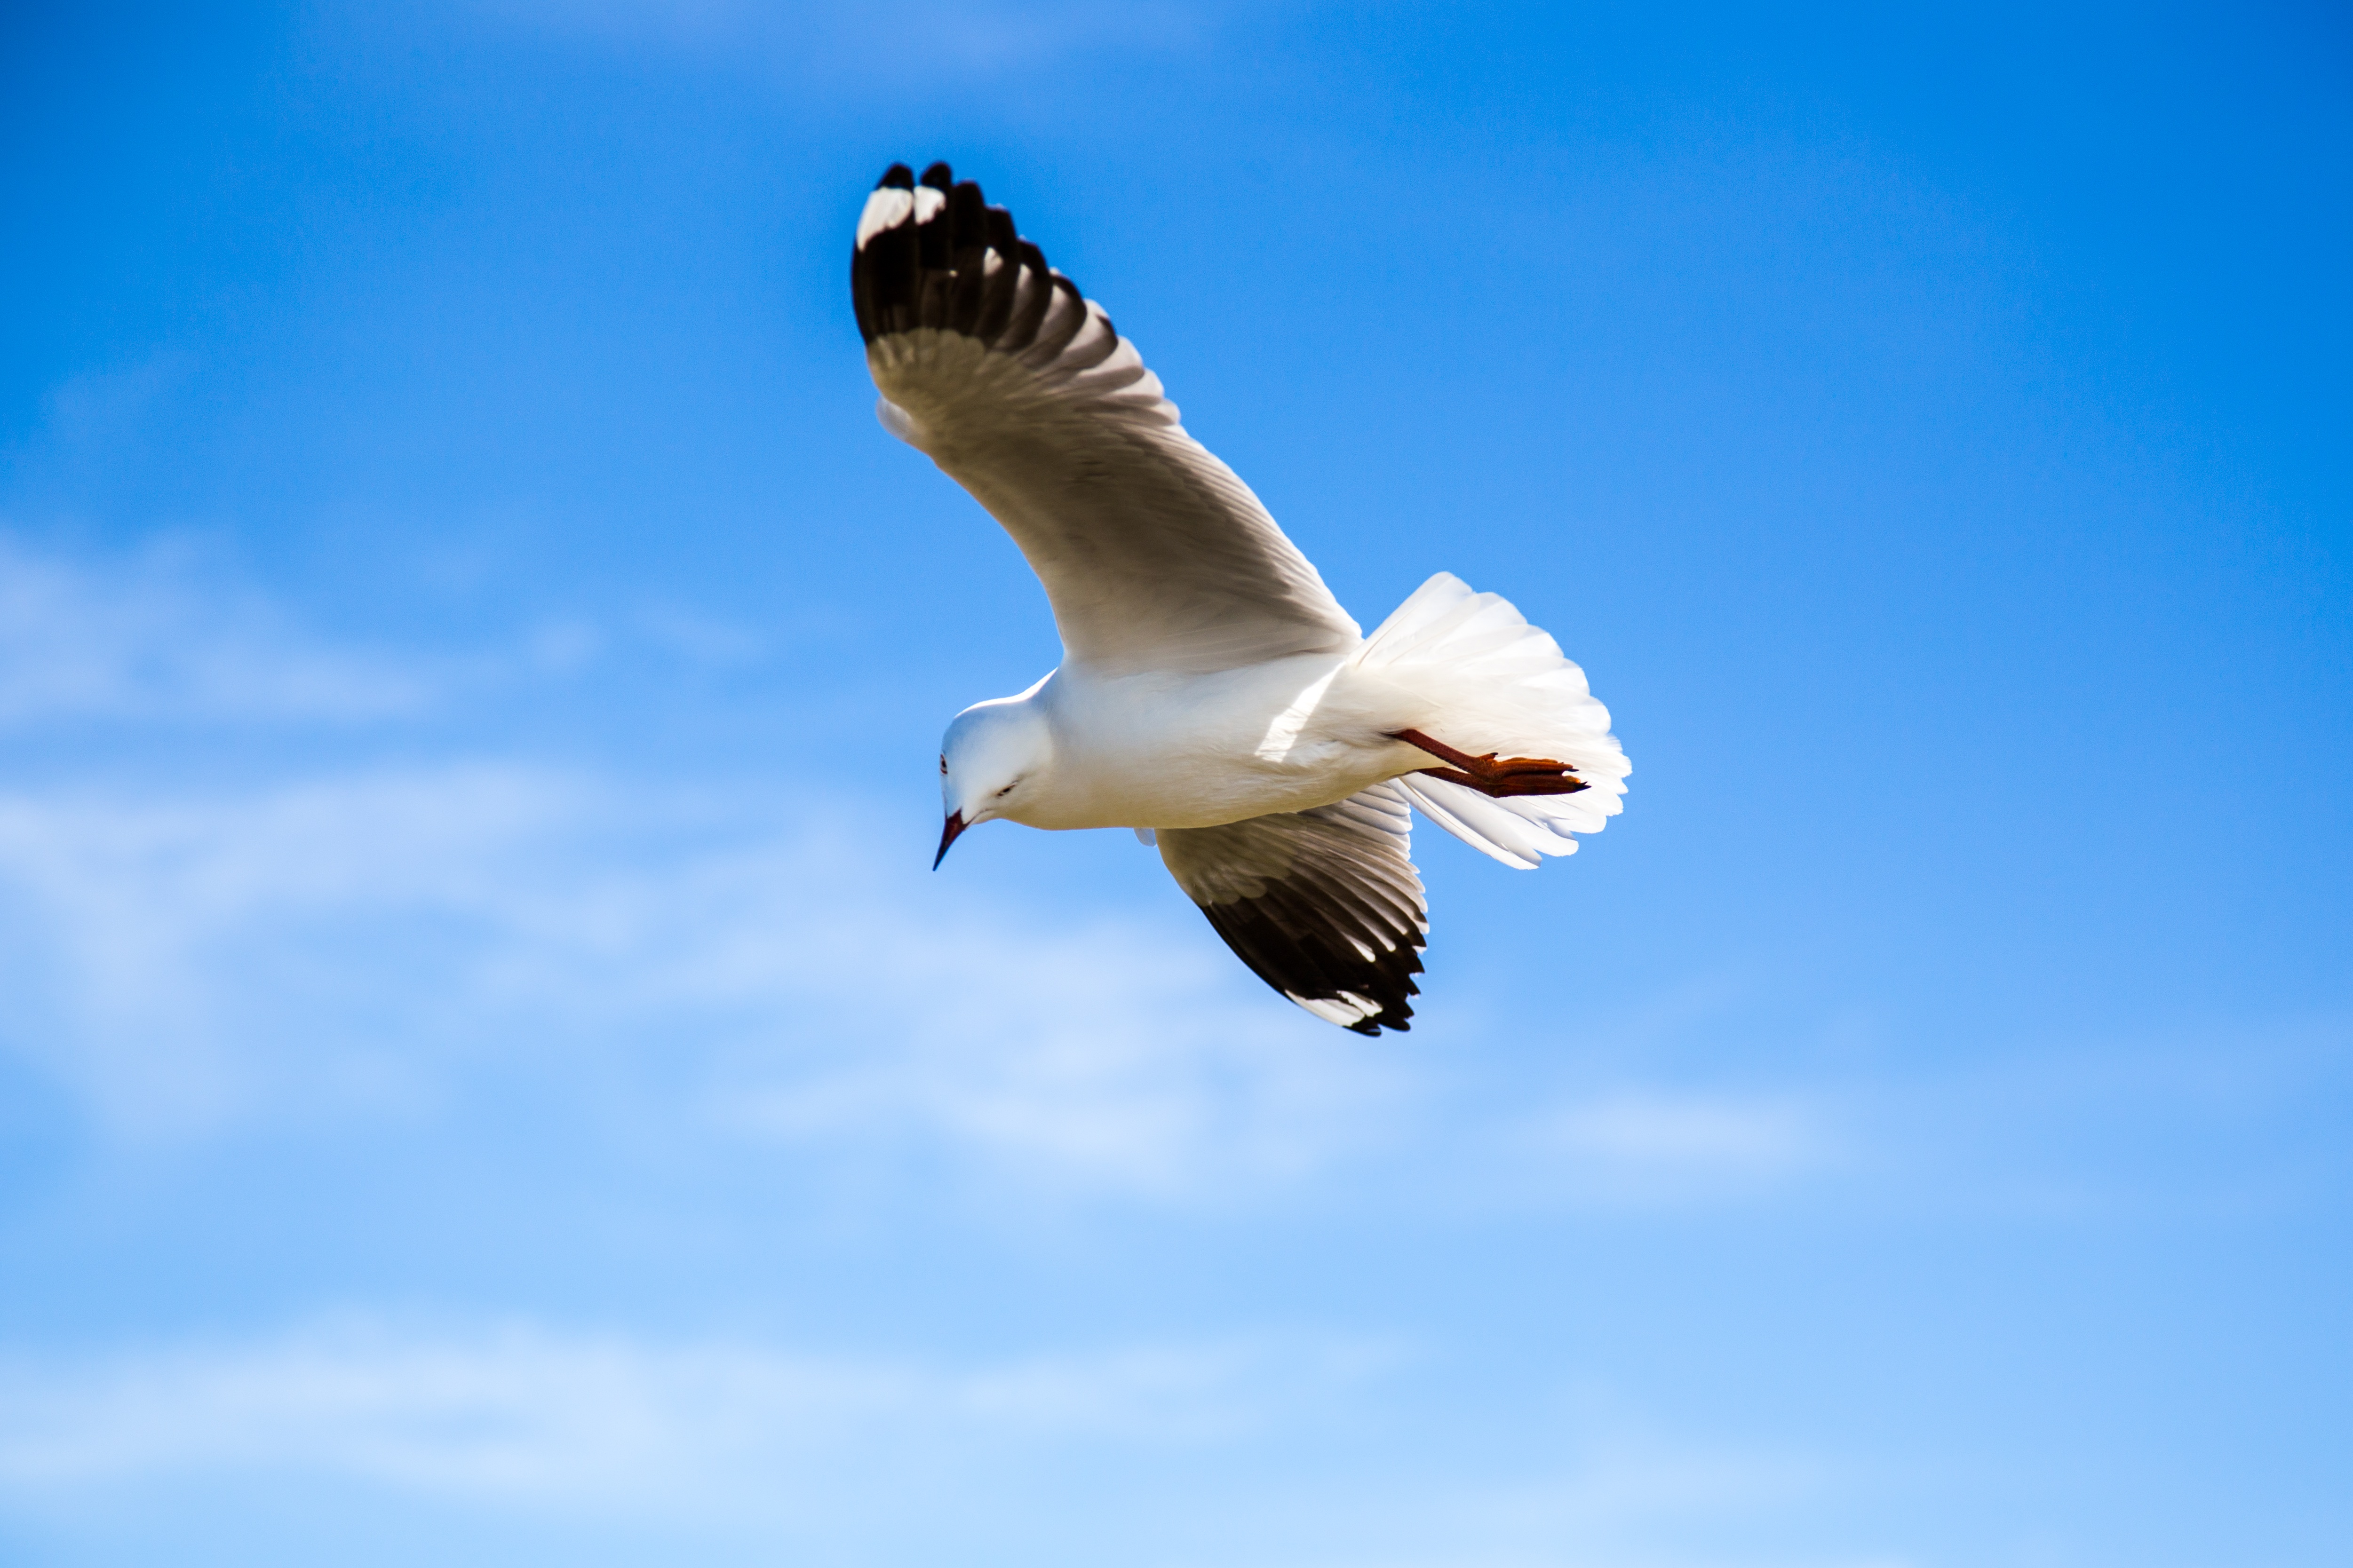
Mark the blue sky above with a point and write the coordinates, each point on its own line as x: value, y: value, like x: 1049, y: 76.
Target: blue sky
x: 487, y: 1078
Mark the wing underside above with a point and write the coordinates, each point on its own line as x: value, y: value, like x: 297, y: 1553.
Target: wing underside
x: 1155, y: 554
x: 1323, y: 905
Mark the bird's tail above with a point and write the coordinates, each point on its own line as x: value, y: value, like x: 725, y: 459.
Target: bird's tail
x: 1490, y: 682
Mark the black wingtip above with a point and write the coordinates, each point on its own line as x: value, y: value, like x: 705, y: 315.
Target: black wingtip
x: 1396, y: 1014
x: 1311, y: 951
x: 935, y: 273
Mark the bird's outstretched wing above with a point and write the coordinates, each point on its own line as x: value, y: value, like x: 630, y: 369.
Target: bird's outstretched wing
x: 1156, y: 556
x: 1323, y: 905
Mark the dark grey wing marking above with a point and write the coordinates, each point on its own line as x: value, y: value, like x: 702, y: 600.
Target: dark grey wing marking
x: 1323, y: 905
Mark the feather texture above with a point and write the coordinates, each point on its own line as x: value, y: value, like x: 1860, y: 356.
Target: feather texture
x: 1156, y: 556
x: 1323, y: 905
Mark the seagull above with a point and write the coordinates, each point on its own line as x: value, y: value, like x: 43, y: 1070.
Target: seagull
x: 1213, y: 696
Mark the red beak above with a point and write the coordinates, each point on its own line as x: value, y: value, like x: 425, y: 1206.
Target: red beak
x: 955, y: 826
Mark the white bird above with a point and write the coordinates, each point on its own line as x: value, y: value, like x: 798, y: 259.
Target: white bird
x: 1213, y: 695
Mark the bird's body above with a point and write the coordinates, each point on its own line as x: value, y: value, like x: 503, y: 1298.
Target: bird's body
x: 1213, y: 695
x: 1173, y: 750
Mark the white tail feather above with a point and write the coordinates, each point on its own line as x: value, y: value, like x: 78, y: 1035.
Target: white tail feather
x: 1495, y: 683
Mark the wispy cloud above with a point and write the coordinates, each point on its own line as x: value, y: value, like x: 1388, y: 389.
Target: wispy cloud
x: 1650, y: 1145
x: 198, y: 963
x: 360, y: 945
x: 165, y: 634
x: 784, y: 1445
x: 155, y: 637
x: 1625, y: 1490
x: 524, y: 1415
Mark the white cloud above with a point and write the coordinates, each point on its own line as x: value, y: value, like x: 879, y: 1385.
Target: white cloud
x: 524, y: 1415
x: 177, y: 956
x: 363, y: 945
x: 152, y: 636
x: 1653, y: 1145
x: 899, y: 1454
x: 340, y: 945
x: 1616, y: 1501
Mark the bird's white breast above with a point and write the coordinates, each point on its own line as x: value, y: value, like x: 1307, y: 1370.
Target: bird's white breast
x: 1195, y: 750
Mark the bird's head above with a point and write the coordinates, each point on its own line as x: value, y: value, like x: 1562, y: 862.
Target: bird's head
x: 991, y: 762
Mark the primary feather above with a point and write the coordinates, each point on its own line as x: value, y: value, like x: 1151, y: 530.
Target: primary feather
x: 1155, y: 556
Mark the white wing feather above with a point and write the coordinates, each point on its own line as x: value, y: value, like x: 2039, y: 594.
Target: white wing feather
x: 1155, y: 556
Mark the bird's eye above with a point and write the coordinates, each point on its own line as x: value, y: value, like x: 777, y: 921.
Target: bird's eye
x: 944, y: 765
x: 1007, y: 790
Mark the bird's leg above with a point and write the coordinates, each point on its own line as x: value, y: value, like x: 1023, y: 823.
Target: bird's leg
x: 1493, y: 775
